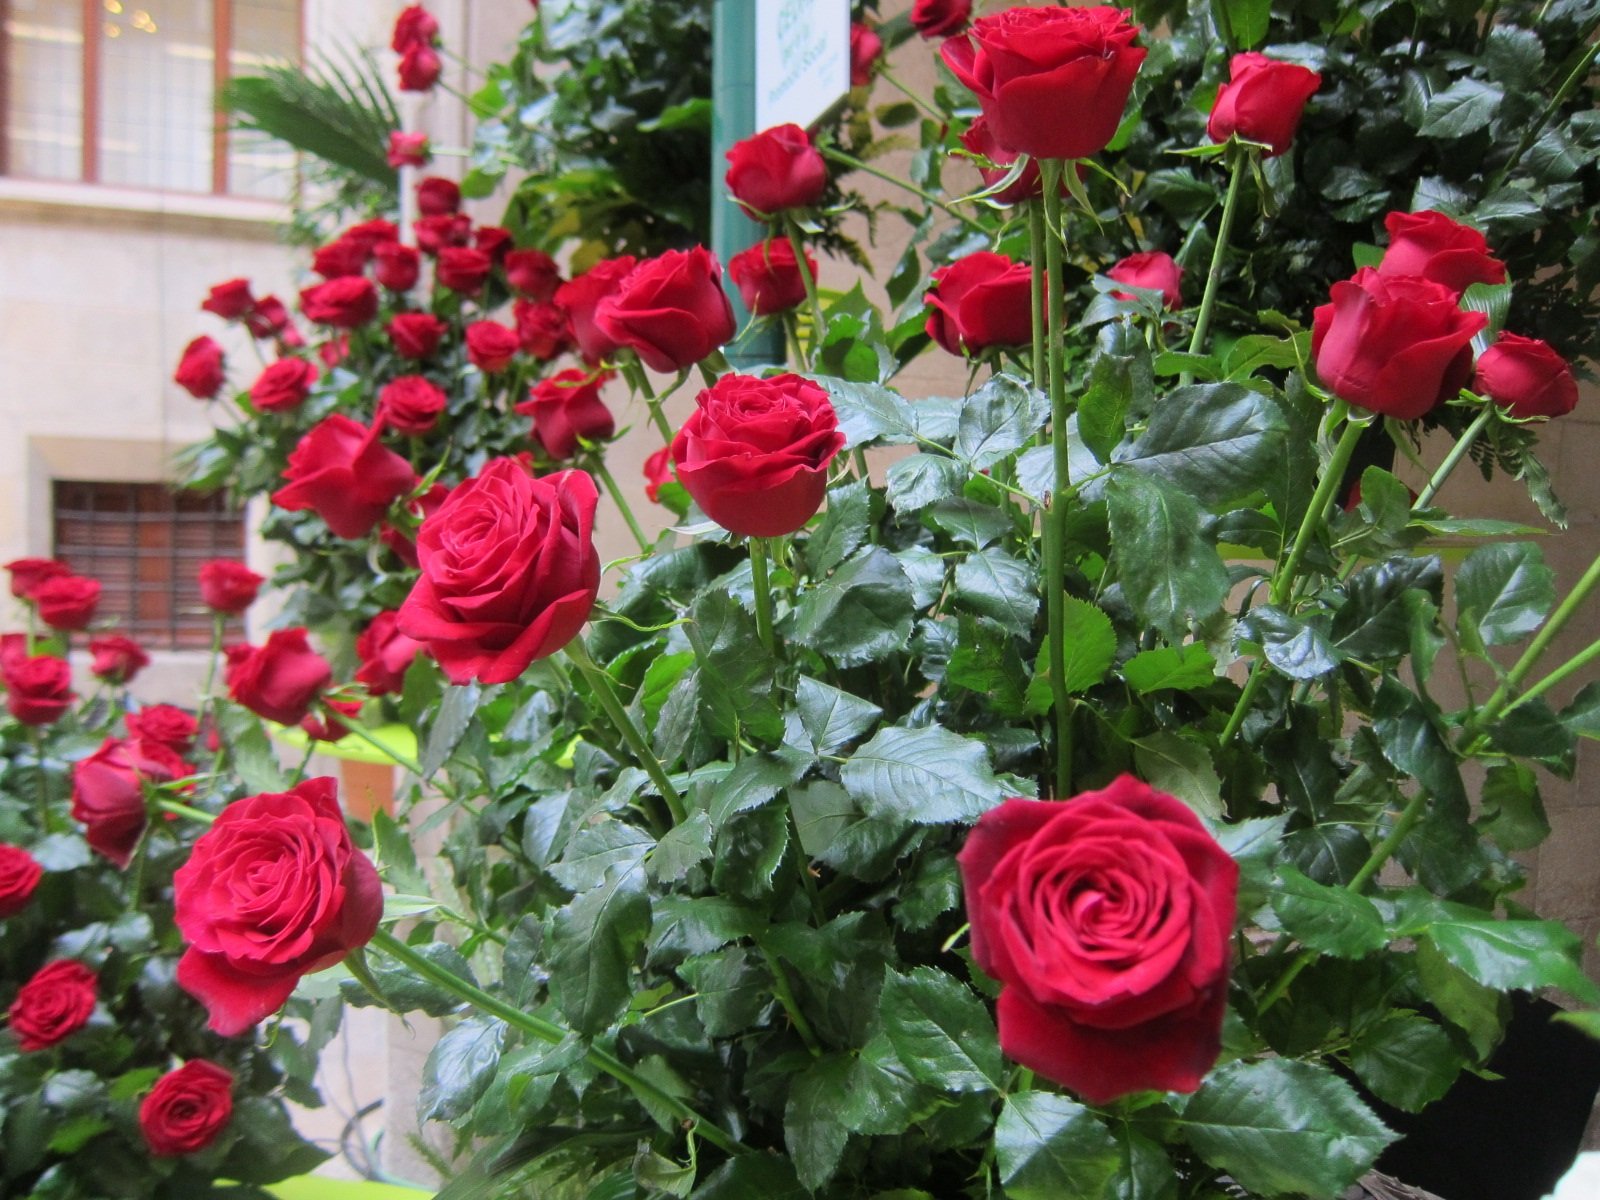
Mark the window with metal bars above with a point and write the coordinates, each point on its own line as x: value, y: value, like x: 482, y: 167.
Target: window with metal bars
x: 145, y: 543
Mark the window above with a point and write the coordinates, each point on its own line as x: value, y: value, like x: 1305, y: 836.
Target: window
x: 123, y: 92
x: 145, y: 542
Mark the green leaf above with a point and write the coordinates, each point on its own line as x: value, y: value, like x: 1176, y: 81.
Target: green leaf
x: 1375, y: 621
x: 842, y: 530
x: 1582, y: 716
x: 970, y: 521
x: 1330, y: 919
x: 822, y: 811
x: 1405, y: 1060
x: 861, y: 613
x: 923, y: 479
x: 1507, y: 955
x: 1182, y: 768
x: 880, y: 1095
x: 1104, y: 406
x: 61, y: 852
x: 748, y: 851
x: 1299, y: 649
x: 251, y: 754
x: 681, y: 849
x: 1478, y: 1011
x: 1513, y: 813
x: 812, y: 1131
x: 749, y: 1175
x: 1050, y: 1147
x: 1170, y: 574
x: 1505, y: 591
x: 1412, y: 742
x: 870, y: 414
x: 732, y: 989
x: 921, y: 777
x: 1185, y: 668
x: 1089, y: 645
x: 999, y: 419
x: 1244, y: 21
x: 830, y: 717
x: 459, y: 1068
x: 1464, y: 107
x: 941, y: 1031
x: 405, y: 991
x: 451, y: 720
x: 736, y: 675
x: 754, y: 781
x: 396, y: 857
x: 1282, y: 1126
x: 994, y: 584
x: 591, y: 945
x: 596, y: 849
x: 1214, y: 441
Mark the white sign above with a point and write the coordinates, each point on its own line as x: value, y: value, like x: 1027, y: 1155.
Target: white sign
x: 802, y: 59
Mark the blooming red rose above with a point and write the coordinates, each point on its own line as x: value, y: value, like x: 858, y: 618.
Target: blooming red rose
x: 1153, y: 269
x: 13, y: 650
x: 437, y: 195
x: 768, y: 276
x: 345, y: 474
x: 20, y: 874
x: 272, y: 891
x: 670, y: 310
x: 566, y: 407
x: 1526, y: 376
x: 542, y: 329
x: 27, y: 574
x: 283, y: 386
x: 865, y: 49
x: 38, y: 689
x: 755, y: 452
x: 1262, y: 102
x: 56, y: 1003
x: 657, y: 471
x: 491, y: 346
x: 415, y: 26
x: 1395, y: 345
x: 1107, y: 921
x: 200, y: 371
x: 411, y: 404
x: 420, y: 68
x: 1431, y: 245
x: 940, y: 18
x: 68, y: 601
x: 345, y: 303
x: 462, y: 269
x: 396, y: 266
x: 187, y: 1109
x: 334, y: 351
x: 979, y: 138
x: 165, y: 725
x: 509, y: 572
x: 230, y: 299
x: 108, y: 792
x: 372, y: 233
x: 532, y: 274
x: 493, y: 240
x: 385, y: 653
x: 416, y: 335
x: 1052, y: 81
x: 117, y: 659
x: 980, y: 301
x: 268, y: 318
x: 776, y: 169
x: 447, y: 229
x: 579, y: 297
x: 341, y: 257
x: 279, y: 680
x: 227, y: 586
x: 408, y: 149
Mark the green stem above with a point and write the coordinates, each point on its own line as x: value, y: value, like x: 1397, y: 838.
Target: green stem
x: 600, y: 684
x: 548, y: 1031
x: 1055, y: 524
x: 597, y: 466
x: 1573, y: 665
x: 1568, y: 85
x: 808, y: 881
x: 183, y: 810
x: 387, y: 751
x: 1457, y: 453
x: 785, y: 997
x: 885, y: 74
x: 812, y: 299
x: 763, y: 592
x: 1036, y: 256
x: 1238, y: 161
x: 856, y: 164
x: 1552, y: 628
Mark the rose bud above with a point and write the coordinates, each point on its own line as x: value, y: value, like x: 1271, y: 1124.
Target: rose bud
x: 269, y: 318
x: 542, y: 329
x: 334, y: 351
x: 532, y: 274
x: 447, y: 229
x: 420, y: 68
x: 229, y: 300
x: 657, y: 471
x: 1263, y: 101
x: 108, y: 793
x: 754, y: 454
x: 415, y: 26
x: 579, y: 298
x: 493, y: 240
x: 200, y: 371
x: 279, y: 680
x: 56, y: 1003
x: 1052, y: 81
x: 940, y: 18
x: 776, y: 169
x: 416, y: 335
x: 462, y: 269
x: 20, y: 874
x: 329, y: 725
x: 186, y: 1109
x: 38, y: 689
x: 274, y: 890
x: 865, y: 49
x: 437, y: 196
x: 116, y: 659
x: 491, y: 346
x: 1430, y: 245
x: 1526, y: 376
x: 979, y: 138
x: 1393, y: 345
x: 165, y: 725
x: 342, y: 472
x: 284, y: 386
x: 768, y: 277
x: 341, y: 257
x: 509, y: 572
x: 396, y: 266
x: 408, y: 149
x: 1107, y: 920
x: 344, y: 303
x: 227, y: 586
x: 1151, y: 269
x: 567, y: 407
x: 411, y: 405
x: 980, y: 301
x: 386, y: 655
x: 670, y: 310
x: 27, y: 574
x: 68, y: 601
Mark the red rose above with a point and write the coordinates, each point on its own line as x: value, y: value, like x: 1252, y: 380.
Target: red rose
x: 108, y: 792
x: 397, y: 266
x: 1052, y: 81
x: 341, y: 257
x: 768, y: 277
x: 385, y: 653
x: 419, y: 69
x: 279, y: 680
x: 200, y: 371
x: 462, y: 269
x: 493, y: 240
x: 54, y: 1004
x: 416, y: 335
x: 117, y: 659
x: 1526, y: 376
x: 340, y: 470
x: 437, y: 195
x: 283, y: 386
x: 230, y: 299
x: 38, y: 689
x: 865, y: 49
x: 272, y: 891
x: 408, y: 149
x: 1393, y: 345
x: 657, y: 471
x: 567, y: 407
x: 979, y: 138
x: 491, y: 346
x: 1431, y: 245
x: 1263, y: 101
x: 268, y: 318
x: 1151, y: 269
x: 20, y: 873
x: 227, y: 586
x: 373, y: 233
x: 776, y: 169
x: 940, y: 18
x: 579, y: 298
x: 329, y: 725
x: 164, y: 725
x: 68, y: 601
x: 344, y: 303
x: 533, y: 274
x: 447, y: 229
x: 411, y: 405
x: 509, y: 572
x: 334, y: 351
x: 13, y: 650
x: 415, y: 26
x: 980, y: 301
x: 27, y: 574
x: 186, y: 1109
x: 542, y: 329
x: 670, y: 310
x: 1107, y: 921
x: 755, y: 452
